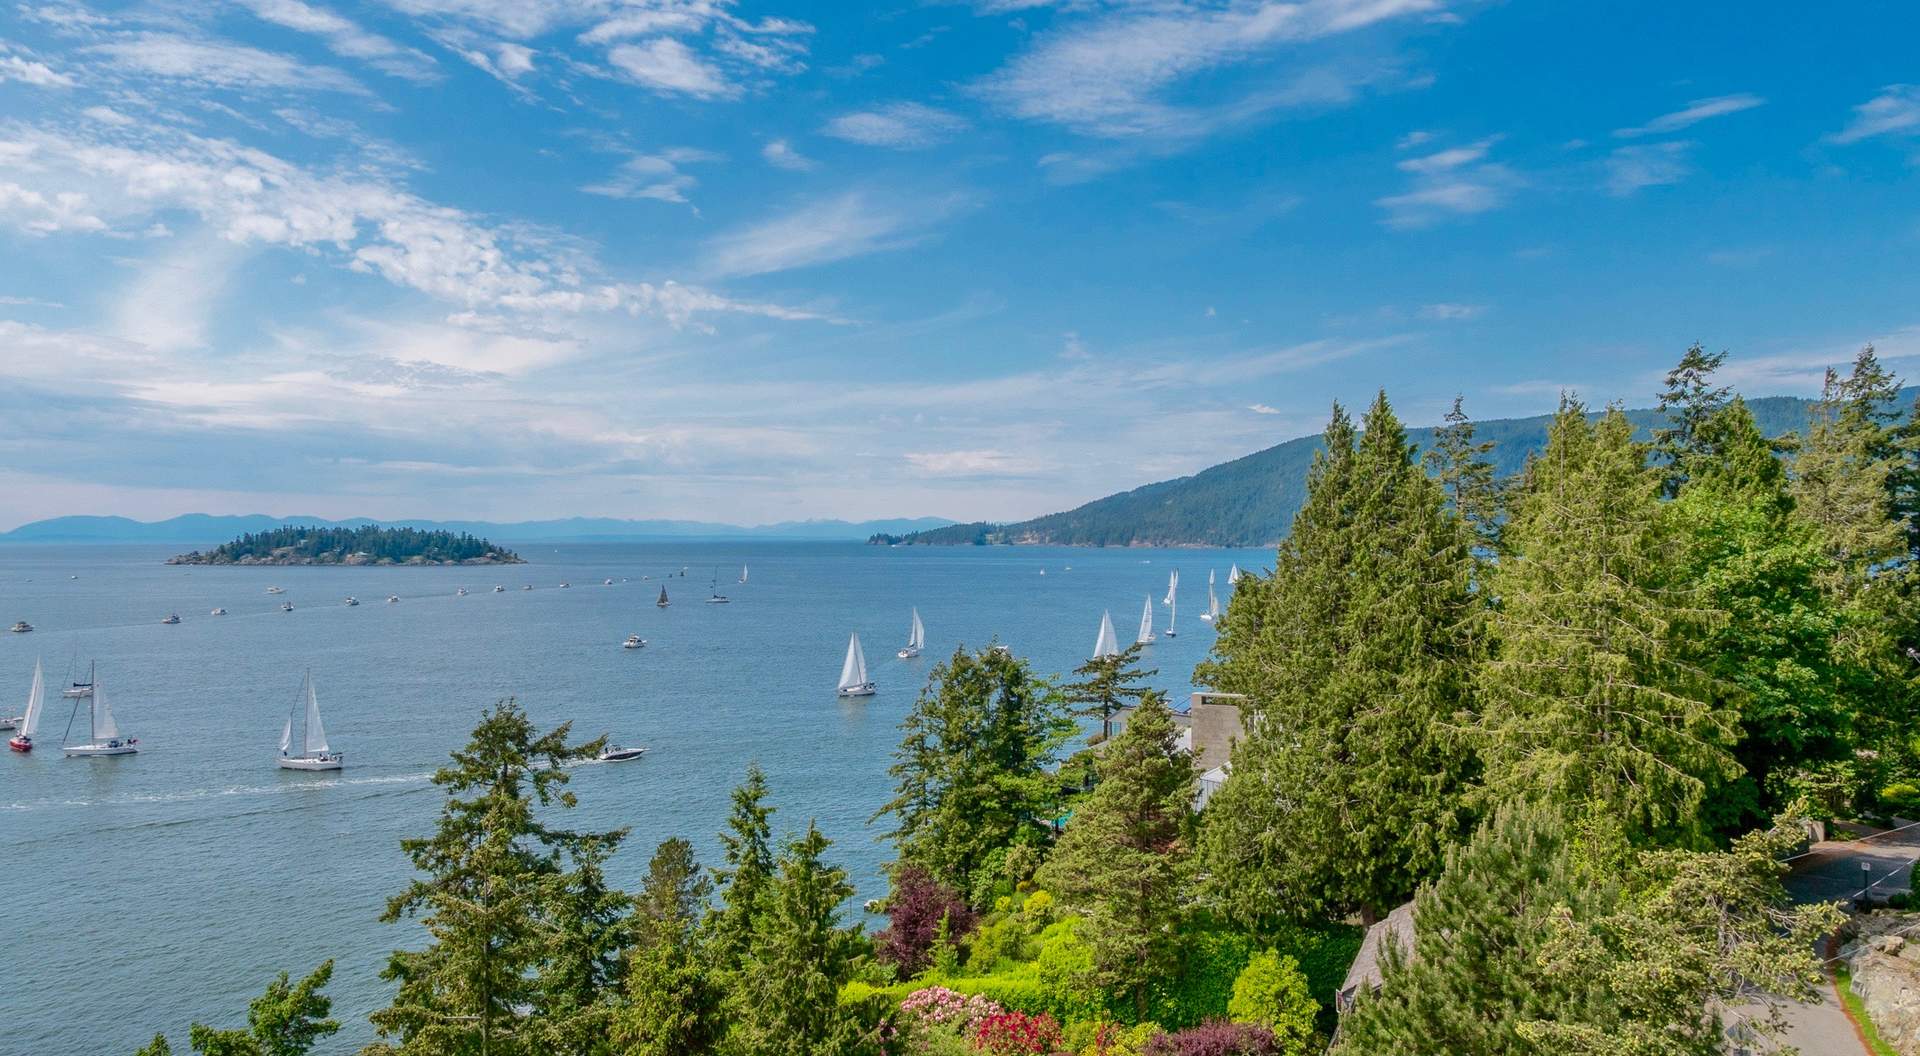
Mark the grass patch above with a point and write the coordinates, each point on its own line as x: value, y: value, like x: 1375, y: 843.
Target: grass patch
x: 1859, y: 1011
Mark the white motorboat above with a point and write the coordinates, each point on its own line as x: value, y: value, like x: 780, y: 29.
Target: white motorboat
x: 526, y: 586
x: 564, y: 586
x: 352, y: 601
x: 218, y: 612
x: 853, y: 671
x: 460, y: 593
x: 916, y: 639
x: 303, y: 740
x: 276, y: 590
x: 286, y: 606
x: 20, y: 627
x: 103, y: 735
x: 28, y: 723
x: 170, y: 618
x: 498, y: 589
x: 607, y: 582
x: 616, y: 754
x: 634, y: 641
x: 1146, y: 635
x: 393, y: 599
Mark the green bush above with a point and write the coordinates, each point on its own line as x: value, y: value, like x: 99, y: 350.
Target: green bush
x: 1325, y: 953
x: 1271, y: 992
x: 1901, y: 798
x: 1104, y: 1037
x: 1210, y: 959
x: 1065, y: 970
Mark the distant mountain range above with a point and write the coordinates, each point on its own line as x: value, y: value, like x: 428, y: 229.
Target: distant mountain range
x: 1251, y: 501
x: 211, y: 529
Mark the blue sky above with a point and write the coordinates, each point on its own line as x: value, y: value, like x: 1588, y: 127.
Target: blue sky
x: 764, y: 261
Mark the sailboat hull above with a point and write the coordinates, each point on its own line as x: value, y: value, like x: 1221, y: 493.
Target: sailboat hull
x: 88, y: 751
x: 864, y: 689
x: 21, y: 744
x: 324, y: 762
x: 12, y: 723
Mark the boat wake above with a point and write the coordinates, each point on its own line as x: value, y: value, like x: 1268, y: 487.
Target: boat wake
x: 291, y: 787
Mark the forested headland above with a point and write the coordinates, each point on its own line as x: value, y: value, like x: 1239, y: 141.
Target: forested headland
x: 366, y: 545
x: 1577, y: 715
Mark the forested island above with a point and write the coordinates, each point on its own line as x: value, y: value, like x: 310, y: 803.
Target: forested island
x: 1562, y: 729
x: 366, y: 545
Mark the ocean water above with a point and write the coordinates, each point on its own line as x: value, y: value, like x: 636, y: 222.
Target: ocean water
x: 141, y: 893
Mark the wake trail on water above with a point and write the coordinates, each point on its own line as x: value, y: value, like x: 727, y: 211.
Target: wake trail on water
x: 197, y: 794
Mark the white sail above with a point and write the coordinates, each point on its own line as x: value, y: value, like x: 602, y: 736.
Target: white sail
x: 103, y: 727
x: 1213, y: 603
x: 743, y: 573
x: 316, y: 734
x: 917, y: 638
x: 286, y: 734
x: 1173, y: 585
x: 1146, y: 622
x: 1233, y: 575
x: 1108, y: 644
x: 36, y: 698
x: 853, y: 672
x: 1172, y: 611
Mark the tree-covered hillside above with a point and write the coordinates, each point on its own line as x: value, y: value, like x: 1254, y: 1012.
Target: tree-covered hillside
x: 365, y: 545
x: 1250, y: 501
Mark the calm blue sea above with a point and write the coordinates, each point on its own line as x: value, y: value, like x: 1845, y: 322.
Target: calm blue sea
x: 143, y: 892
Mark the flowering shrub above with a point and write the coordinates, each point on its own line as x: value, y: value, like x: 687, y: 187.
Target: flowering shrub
x: 1215, y: 1039
x: 914, y: 911
x: 1016, y: 1034
x: 937, y: 1006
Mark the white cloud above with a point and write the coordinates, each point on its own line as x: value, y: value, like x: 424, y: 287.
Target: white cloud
x: 852, y: 224
x: 1413, y: 139
x: 1458, y: 181
x: 667, y: 65
x: 220, y: 64
x: 24, y: 68
x: 1450, y: 312
x: 347, y: 39
x: 781, y: 155
x: 107, y: 115
x: 171, y: 301
x: 656, y: 176
x: 1110, y: 75
x: 902, y: 126
x: 1631, y: 168
x: 1895, y: 111
x: 1692, y: 114
x: 1261, y: 408
x: 984, y: 462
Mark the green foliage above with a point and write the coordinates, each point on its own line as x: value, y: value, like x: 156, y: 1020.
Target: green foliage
x: 1107, y: 686
x: 972, y: 768
x: 500, y: 904
x: 1068, y: 974
x: 786, y: 999
x: 672, y: 1001
x: 1901, y: 798
x: 310, y: 544
x: 1272, y: 993
x: 1201, y: 986
x: 1357, y: 656
x: 747, y: 845
x: 1690, y: 400
x: 1591, y: 696
x: 157, y: 1047
x: 1460, y: 465
x: 287, y: 1020
x: 1120, y: 859
x: 1103, y: 1037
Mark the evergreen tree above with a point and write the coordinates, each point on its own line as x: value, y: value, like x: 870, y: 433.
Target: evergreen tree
x: 972, y: 771
x: 1847, y: 472
x: 1759, y: 566
x: 1356, y: 658
x: 747, y: 846
x: 1465, y: 474
x: 1591, y: 697
x: 787, y: 998
x: 1120, y: 860
x: 487, y: 898
x: 584, y: 966
x: 157, y: 1047
x: 1689, y: 399
x: 1108, y: 685
x: 287, y: 1020
x: 673, y: 1005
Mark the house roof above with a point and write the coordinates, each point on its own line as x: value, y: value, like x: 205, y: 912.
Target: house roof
x: 1397, y: 927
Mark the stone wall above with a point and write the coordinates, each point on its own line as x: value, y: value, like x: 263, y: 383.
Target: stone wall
x: 1884, y: 957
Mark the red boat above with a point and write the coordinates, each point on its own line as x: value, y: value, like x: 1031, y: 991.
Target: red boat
x: 21, y: 744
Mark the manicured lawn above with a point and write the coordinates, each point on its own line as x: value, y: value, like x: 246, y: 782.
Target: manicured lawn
x: 1859, y: 1012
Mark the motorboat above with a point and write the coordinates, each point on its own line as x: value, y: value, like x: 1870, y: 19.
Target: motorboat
x: 20, y: 627
x: 171, y: 618
x: 218, y: 612
x: 607, y: 582
x: 276, y: 590
x: 565, y: 585
x: 526, y: 586
x: 461, y: 593
x: 498, y: 589
x: 352, y: 601
x: 634, y: 641
x: 393, y: 599
x: 286, y: 606
x: 616, y: 754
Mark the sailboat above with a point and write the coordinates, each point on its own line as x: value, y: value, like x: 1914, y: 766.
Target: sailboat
x: 743, y: 575
x: 1145, y: 637
x: 1108, y: 644
x: 311, y: 741
x: 103, y: 736
x: 717, y: 598
x: 916, y: 639
x: 853, y: 671
x: 1171, y: 601
x: 1213, y: 601
x: 29, y: 723
x: 1233, y: 574
x: 12, y: 722
x: 663, y: 602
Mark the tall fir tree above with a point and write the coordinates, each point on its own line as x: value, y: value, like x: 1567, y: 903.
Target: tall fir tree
x: 486, y: 897
x: 786, y: 999
x: 590, y: 928
x: 1465, y: 474
x: 1847, y: 472
x: 1592, y: 696
x: 1356, y: 657
x: 673, y: 1002
x: 1689, y: 399
x: 1108, y: 685
x: 1123, y: 853
x: 747, y: 847
x: 973, y: 770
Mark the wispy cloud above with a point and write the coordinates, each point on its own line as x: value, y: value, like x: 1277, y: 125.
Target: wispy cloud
x: 220, y: 64
x: 656, y: 176
x: 1692, y: 114
x: 345, y: 38
x: 1261, y: 408
x: 1458, y: 181
x: 1895, y: 111
x: 1451, y: 312
x: 18, y: 64
x: 986, y: 462
x: 902, y: 126
x: 667, y: 65
x: 1631, y: 168
x: 781, y: 155
x: 852, y: 224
